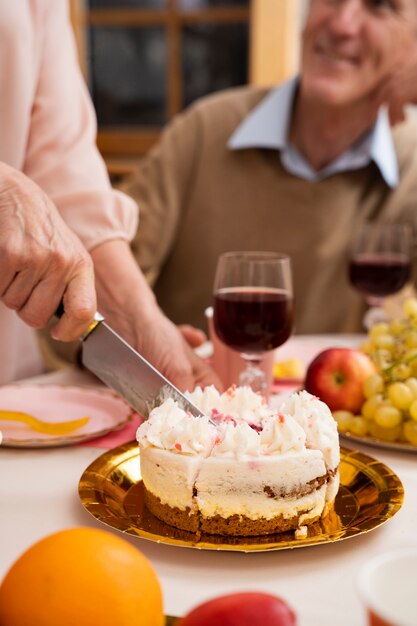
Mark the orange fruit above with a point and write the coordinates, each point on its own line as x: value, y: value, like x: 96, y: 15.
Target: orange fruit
x: 82, y: 577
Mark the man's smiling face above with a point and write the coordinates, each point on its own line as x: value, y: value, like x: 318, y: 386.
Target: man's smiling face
x: 351, y: 46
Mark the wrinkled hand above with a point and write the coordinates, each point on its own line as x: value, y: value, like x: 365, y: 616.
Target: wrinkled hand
x: 129, y: 306
x: 174, y: 357
x: 195, y: 337
x: 42, y: 261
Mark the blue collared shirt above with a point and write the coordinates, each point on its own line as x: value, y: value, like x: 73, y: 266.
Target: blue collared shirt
x: 267, y: 126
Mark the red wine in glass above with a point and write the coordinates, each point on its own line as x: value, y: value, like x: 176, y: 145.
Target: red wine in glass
x: 253, y: 307
x: 379, y: 275
x: 253, y: 320
x: 380, y: 264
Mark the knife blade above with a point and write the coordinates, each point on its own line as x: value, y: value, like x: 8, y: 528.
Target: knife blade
x: 127, y: 372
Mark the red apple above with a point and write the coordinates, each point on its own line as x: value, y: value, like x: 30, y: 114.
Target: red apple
x: 241, y: 609
x: 337, y: 375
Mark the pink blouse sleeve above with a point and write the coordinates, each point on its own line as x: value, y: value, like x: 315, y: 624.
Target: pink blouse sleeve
x: 61, y: 153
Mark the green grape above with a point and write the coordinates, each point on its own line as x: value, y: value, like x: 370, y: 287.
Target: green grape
x: 397, y: 327
x: 386, y: 434
x: 412, y: 385
x: 358, y: 426
x: 391, y: 394
x: 387, y: 416
x: 343, y: 419
x: 401, y: 371
x: 367, y: 348
x: 410, y: 432
x: 385, y: 342
x: 410, y: 355
x: 410, y: 339
x: 370, y: 406
x: 410, y: 308
x: 379, y: 329
x: 413, y: 410
x: 413, y: 322
x: 382, y: 359
x: 413, y: 366
x: 372, y: 385
x: 400, y: 395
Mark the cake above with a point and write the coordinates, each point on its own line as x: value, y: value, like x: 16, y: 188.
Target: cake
x: 251, y: 470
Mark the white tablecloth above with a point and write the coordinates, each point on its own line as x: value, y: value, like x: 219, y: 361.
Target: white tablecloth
x: 38, y: 496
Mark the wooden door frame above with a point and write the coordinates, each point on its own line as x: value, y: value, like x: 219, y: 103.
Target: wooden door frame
x: 274, y: 40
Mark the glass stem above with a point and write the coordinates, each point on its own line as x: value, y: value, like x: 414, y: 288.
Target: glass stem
x: 374, y: 301
x: 253, y: 376
x: 252, y: 359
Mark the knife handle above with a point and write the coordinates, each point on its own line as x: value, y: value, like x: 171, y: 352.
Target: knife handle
x: 98, y: 317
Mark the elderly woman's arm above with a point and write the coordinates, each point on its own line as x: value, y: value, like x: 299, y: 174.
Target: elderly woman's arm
x: 63, y: 159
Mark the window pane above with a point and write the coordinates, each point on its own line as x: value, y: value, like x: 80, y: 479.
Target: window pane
x: 118, y: 4
x: 128, y: 75
x: 214, y: 57
x: 198, y: 4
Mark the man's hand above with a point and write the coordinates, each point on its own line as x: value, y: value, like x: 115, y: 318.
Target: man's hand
x: 42, y: 261
x: 193, y: 336
x: 164, y: 346
x: 129, y: 306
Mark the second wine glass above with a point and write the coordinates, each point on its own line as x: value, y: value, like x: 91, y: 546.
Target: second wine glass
x: 253, y: 307
x: 380, y: 264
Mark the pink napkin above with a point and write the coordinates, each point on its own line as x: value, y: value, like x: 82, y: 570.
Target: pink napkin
x: 285, y: 386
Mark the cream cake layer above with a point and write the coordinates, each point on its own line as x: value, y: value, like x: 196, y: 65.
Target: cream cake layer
x: 170, y: 476
x: 264, y: 486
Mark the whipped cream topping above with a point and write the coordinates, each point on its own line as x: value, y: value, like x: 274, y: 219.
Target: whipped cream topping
x: 315, y: 418
x: 170, y: 428
x: 246, y: 426
x: 239, y: 403
x: 237, y: 440
x: 281, y: 434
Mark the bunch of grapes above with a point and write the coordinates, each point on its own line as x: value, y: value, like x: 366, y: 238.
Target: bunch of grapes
x: 390, y: 409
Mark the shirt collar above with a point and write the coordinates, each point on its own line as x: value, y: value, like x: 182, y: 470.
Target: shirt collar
x: 267, y: 125
x: 264, y: 128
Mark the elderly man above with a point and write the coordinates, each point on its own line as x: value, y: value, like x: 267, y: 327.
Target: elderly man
x: 295, y: 169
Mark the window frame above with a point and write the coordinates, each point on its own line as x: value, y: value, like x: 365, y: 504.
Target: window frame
x: 273, y: 25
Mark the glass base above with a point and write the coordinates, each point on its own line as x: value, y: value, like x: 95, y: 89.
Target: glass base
x: 374, y: 315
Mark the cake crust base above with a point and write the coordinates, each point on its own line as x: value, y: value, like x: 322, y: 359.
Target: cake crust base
x: 235, y: 525
x: 240, y: 525
x: 185, y: 520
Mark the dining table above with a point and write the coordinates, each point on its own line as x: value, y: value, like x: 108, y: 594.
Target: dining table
x: 39, y: 496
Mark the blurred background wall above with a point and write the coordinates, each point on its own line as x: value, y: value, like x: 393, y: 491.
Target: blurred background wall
x: 145, y: 60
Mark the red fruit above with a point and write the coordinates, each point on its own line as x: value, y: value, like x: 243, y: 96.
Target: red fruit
x: 336, y: 376
x: 241, y: 609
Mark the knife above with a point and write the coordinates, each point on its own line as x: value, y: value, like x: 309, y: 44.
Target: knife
x: 127, y: 372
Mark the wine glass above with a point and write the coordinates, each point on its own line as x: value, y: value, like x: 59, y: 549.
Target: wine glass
x: 253, y: 307
x: 380, y: 265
